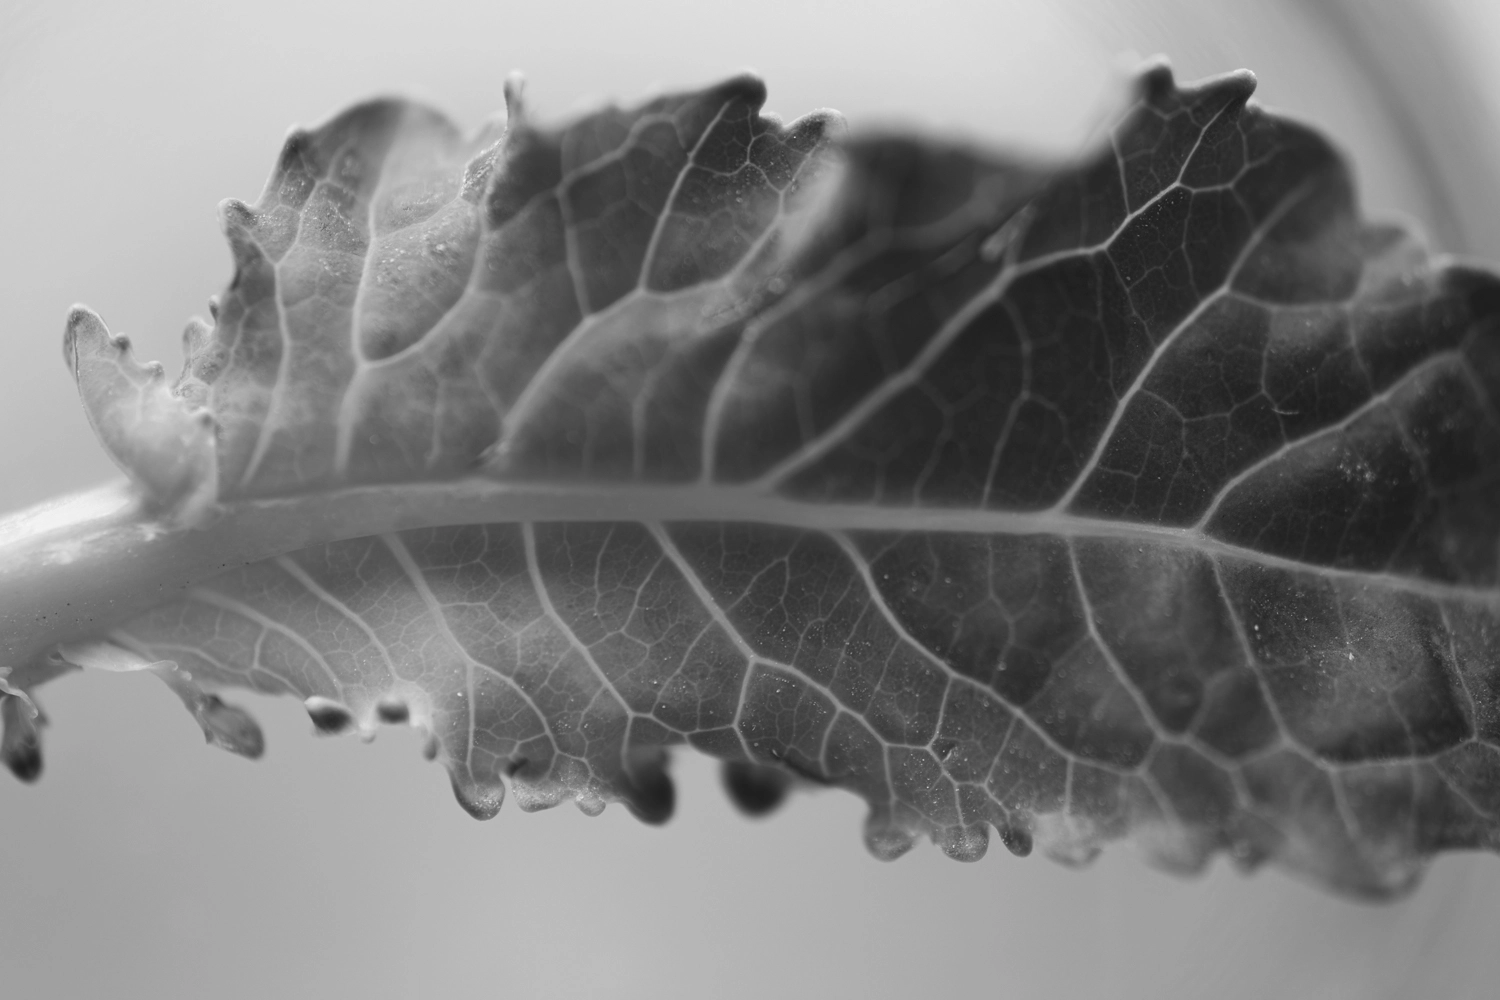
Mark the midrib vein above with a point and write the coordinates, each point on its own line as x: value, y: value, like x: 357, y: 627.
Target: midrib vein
x: 93, y: 561
x: 365, y: 511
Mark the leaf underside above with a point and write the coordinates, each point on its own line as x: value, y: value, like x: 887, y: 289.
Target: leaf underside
x: 1151, y: 495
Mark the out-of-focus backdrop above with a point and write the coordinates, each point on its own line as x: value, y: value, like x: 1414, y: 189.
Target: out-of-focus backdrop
x: 145, y: 864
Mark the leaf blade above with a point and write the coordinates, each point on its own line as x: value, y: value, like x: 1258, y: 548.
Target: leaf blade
x: 1146, y: 496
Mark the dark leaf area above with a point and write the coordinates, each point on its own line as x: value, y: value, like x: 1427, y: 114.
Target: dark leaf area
x: 1156, y: 495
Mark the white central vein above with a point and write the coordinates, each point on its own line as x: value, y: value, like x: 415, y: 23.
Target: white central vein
x: 362, y: 511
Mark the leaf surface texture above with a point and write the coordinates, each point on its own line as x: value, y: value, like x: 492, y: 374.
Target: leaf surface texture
x: 1150, y: 495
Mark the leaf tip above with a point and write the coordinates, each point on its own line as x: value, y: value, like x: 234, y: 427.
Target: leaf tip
x: 1154, y: 78
x: 755, y: 789
x: 747, y: 85
x: 589, y: 803
x: 328, y: 716
x: 196, y: 334
x: 21, y: 741
x: 515, y: 92
x: 885, y: 840
x: 393, y: 710
x: 24, y: 761
x: 231, y: 728
x: 480, y: 799
x: 82, y: 327
x: 651, y: 796
x: 1017, y: 839
x: 1068, y: 839
x: 1248, y: 855
x: 225, y: 726
x: 161, y: 441
x: 1156, y: 84
x: 237, y: 221
x: 964, y: 843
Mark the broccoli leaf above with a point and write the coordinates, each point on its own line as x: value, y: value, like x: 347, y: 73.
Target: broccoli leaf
x: 1152, y: 495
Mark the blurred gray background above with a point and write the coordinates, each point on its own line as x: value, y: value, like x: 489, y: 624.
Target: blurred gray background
x: 146, y: 864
